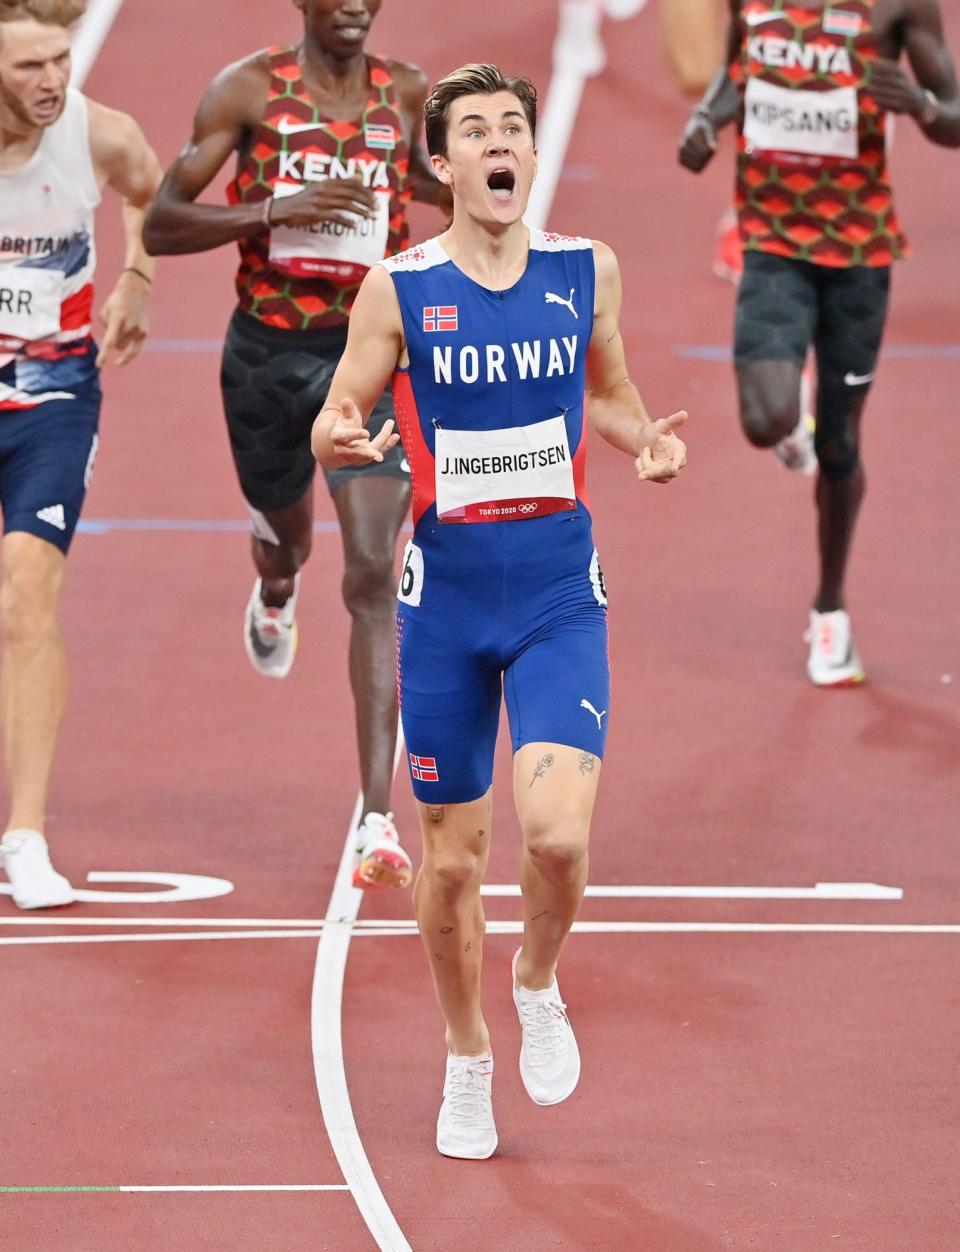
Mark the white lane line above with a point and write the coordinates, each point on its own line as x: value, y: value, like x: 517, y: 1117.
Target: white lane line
x: 327, y: 1186
x: 54, y: 1188
x: 94, y: 28
x: 822, y: 891
x: 339, y: 934
x: 327, y: 1040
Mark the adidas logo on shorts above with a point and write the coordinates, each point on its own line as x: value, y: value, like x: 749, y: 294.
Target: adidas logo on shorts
x: 53, y: 516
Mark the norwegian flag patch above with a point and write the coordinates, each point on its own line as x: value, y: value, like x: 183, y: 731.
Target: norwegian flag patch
x: 440, y: 317
x: 380, y: 136
x: 424, y: 768
x: 841, y: 22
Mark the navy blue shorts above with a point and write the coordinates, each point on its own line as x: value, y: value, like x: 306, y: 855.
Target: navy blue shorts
x: 543, y: 653
x: 46, y: 463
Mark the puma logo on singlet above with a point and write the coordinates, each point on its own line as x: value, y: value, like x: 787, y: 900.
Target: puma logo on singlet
x: 568, y: 303
x: 585, y: 704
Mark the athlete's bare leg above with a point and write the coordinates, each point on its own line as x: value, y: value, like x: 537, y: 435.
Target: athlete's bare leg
x: 371, y: 511
x: 278, y: 563
x: 839, y: 496
x: 692, y: 36
x: 34, y: 672
x: 769, y: 404
x: 554, y: 788
x: 446, y: 899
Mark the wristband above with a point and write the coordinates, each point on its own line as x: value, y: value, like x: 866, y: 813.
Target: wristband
x: 930, y: 109
x: 265, y: 212
x: 132, y: 269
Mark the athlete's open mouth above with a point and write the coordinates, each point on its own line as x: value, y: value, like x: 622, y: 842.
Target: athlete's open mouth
x: 501, y: 183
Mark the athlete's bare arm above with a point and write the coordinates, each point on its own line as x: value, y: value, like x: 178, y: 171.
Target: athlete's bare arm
x: 720, y: 104
x: 920, y: 27
x: 412, y: 86
x: 124, y: 161
x: 613, y: 402
x: 230, y: 111
x: 375, y: 345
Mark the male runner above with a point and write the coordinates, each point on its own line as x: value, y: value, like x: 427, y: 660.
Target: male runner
x: 810, y: 87
x: 57, y: 152
x: 495, y: 331
x: 327, y: 145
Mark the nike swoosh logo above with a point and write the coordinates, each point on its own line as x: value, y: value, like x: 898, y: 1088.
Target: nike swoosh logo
x: 286, y: 127
x: 758, y: 19
x: 857, y: 380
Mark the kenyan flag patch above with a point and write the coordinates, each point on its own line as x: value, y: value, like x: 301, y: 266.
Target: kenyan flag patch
x: 382, y: 136
x: 841, y: 22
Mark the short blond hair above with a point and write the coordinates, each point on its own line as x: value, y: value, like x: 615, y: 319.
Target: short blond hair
x: 472, y: 80
x: 50, y: 12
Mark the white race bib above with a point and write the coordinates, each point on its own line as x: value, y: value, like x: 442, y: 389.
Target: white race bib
x: 30, y: 302
x: 815, y: 123
x: 504, y: 475
x: 328, y: 249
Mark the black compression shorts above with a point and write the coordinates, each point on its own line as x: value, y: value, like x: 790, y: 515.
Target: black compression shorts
x: 274, y: 383
x: 784, y: 306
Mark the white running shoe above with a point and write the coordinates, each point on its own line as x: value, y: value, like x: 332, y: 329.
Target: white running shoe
x: 26, y: 860
x: 796, y: 452
x: 382, y: 862
x: 833, y: 659
x: 465, y: 1127
x: 549, y: 1056
x: 269, y: 634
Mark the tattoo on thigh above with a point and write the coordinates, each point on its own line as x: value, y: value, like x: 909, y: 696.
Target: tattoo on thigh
x: 541, y: 767
x: 587, y: 763
x: 467, y: 947
x: 481, y: 834
x: 435, y: 814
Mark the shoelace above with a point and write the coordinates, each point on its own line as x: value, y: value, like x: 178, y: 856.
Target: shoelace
x: 544, y: 1029
x: 468, y: 1095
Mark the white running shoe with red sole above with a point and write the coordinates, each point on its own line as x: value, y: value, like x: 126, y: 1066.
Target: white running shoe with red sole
x: 382, y: 862
x: 833, y: 660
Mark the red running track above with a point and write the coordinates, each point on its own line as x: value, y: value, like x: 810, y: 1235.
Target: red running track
x: 742, y: 1090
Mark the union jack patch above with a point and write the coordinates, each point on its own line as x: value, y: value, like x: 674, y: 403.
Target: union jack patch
x: 440, y: 317
x: 424, y: 768
x: 379, y: 136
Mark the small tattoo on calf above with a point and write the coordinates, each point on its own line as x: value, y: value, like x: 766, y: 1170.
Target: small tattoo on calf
x: 587, y: 763
x: 541, y: 767
x: 446, y: 930
x: 435, y: 814
x: 481, y: 834
x: 467, y: 947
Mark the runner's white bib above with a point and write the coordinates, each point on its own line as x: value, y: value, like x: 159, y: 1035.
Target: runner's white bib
x: 504, y: 475
x: 329, y: 249
x: 815, y: 123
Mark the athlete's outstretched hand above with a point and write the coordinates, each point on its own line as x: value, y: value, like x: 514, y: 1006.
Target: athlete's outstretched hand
x: 663, y: 455
x: 351, y: 439
x: 126, y: 318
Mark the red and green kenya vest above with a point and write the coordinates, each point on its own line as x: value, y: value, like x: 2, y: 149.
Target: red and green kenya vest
x: 812, y: 179
x: 306, y: 278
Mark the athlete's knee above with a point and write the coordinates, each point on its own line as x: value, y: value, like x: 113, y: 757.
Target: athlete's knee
x: 28, y: 606
x: 767, y: 417
x: 369, y: 583
x: 558, y: 848
x: 836, y: 440
x: 451, y: 870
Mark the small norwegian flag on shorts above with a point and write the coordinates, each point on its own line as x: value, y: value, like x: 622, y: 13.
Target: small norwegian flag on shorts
x: 424, y: 768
